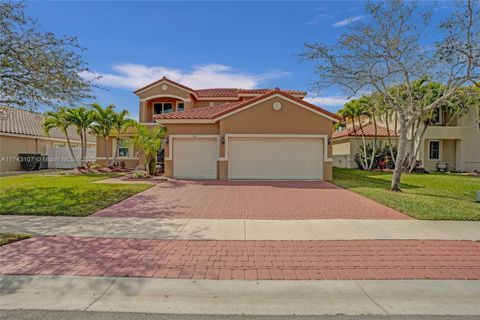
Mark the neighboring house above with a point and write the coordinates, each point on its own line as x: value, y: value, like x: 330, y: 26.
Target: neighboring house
x: 22, y: 131
x: 229, y: 133
x: 454, y: 141
x: 451, y: 140
x: 346, y: 143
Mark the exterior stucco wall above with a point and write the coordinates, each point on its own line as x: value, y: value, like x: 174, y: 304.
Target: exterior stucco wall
x: 146, y: 111
x: 131, y: 162
x: 258, y: 119
x: 11, y: 146
x: 290, y: 119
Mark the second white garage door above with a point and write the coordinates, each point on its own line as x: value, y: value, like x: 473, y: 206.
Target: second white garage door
x: 195, y: 158
x: 275, y: 158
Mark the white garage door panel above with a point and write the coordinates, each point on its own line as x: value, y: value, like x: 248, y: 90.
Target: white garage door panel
x: 276, y: 158
x: 195, y: 158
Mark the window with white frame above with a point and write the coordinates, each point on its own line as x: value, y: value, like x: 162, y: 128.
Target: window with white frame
x: 434, y: 150
x: 180, y: 106
x: 162, y: 107
x: 123, y: 148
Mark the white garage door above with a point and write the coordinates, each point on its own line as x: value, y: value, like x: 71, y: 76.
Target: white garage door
x: 195, y: 158
x: 275, y: 158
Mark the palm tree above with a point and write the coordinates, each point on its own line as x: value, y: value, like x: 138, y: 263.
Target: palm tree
x: 58, y: 119
x: 103, y: 124
x: 120, y: 123
x: 149, y: 142
x: 82, y: 118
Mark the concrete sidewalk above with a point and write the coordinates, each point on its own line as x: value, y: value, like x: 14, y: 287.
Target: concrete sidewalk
x: 241, y: 297
x: 242, y: 229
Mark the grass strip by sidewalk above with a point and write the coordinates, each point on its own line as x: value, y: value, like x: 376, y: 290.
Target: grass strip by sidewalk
x: 70, y: 195
x: 12, y: 237
x: 433, y: 196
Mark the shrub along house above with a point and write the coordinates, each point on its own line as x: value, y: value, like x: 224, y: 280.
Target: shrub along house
x: 228, y: 133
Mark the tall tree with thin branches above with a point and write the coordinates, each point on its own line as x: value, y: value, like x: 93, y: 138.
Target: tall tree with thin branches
x: 38, y: 68
x: 388, y: 51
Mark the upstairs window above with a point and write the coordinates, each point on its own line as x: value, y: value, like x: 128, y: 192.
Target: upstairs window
x: 437, y: 116
x: 434, y: 150
x: 180, y: 107
x: 162, y: 107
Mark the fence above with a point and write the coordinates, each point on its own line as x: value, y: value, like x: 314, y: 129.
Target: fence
x: 60, y: 157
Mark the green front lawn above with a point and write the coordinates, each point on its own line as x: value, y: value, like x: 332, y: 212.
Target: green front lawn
x: 12, y: 237
x: 35, y: 194
x: 433, y: 196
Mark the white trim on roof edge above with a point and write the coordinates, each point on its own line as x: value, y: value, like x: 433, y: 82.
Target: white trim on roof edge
x: 168, y: 82
x: 19, y: 135
x: 165, y: 95
x: 273, y: 96
x: 167, y: 121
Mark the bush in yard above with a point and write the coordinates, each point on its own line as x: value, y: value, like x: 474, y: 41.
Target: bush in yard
x: 382, y: 158
x: 139, y: 175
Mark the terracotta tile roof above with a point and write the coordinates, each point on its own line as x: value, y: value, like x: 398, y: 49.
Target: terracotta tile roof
x: 29, y: 123
x: 220, y: 92
x: 263, y: 91
x: 211, y: 112
x: 368, y: 130
x: 217, y: 93
x: 214, y: 112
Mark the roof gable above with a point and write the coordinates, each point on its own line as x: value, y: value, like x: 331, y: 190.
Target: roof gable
x: 216, y: 93
x: 216, y: 113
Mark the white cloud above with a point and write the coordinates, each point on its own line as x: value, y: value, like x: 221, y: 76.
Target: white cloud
x: 134, y: 76
x: 317, y: 19
x: 328, y: 101
x: 347, y: 21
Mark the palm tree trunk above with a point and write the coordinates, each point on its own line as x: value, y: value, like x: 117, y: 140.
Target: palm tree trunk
x: 364, y: 164
x: 374, y: 147
x: 82, y: 160
x: 69, y: 144
x: 115, y: 152
x: 389, y: 137
x: 84, y: 145
x: 106, y: 150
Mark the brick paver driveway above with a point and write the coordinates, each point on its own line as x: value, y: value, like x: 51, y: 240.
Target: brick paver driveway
x: 249, y: 200
x: 250, y: 260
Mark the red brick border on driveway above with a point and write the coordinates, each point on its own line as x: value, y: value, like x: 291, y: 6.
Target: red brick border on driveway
x: 249, y: 260
x: 249, y: 200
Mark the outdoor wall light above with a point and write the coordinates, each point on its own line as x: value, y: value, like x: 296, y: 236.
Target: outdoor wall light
x: 223, y: 139
x: 329, y: 140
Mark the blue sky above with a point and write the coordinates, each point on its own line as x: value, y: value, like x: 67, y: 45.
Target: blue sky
x: 202, y: 44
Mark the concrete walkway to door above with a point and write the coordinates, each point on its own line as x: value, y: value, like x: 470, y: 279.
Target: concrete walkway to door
x: 213, y: 199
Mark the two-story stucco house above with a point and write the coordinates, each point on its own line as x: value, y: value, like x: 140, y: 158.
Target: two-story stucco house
x: 228, y: 133
x: 454, y: 141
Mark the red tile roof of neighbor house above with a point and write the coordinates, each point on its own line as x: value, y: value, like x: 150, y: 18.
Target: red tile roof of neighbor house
x: 219, y: 92
x: 213, y: 112
x: 368, y: 131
